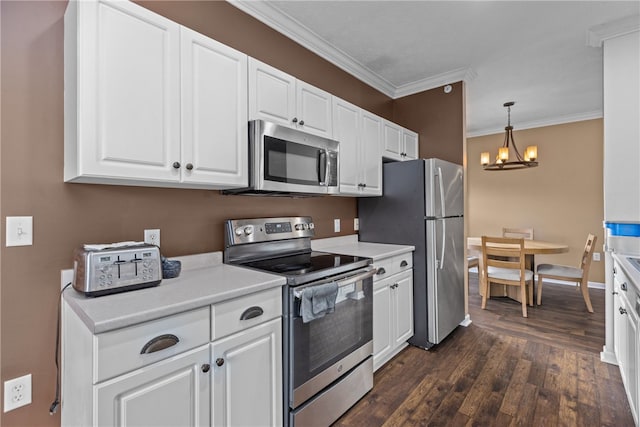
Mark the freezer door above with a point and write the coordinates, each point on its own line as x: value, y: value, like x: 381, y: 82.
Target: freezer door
x: 444, y: 188
x: 445, y: 282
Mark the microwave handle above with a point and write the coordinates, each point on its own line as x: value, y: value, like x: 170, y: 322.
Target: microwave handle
x: 323, y: 167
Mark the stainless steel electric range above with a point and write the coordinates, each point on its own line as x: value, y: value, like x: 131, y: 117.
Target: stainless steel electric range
x: 327, y: 315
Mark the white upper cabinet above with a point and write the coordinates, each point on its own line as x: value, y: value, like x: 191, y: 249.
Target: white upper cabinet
x: 214, y: 112
x: 123, y: 98
x: 277, y: 97
x: 399, y: 143
x: 122, y: 107
x: 359, y: 134
x: 410, y: 141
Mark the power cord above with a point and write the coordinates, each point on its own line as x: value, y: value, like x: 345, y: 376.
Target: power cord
x: 56, y: 402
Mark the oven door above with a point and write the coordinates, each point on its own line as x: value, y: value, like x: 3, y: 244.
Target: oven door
x: 288, y: 160
x: 324, y: 349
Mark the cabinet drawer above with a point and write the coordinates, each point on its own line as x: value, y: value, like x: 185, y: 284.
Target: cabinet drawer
x: 121, y: 350
x: 392, y: 265
x: 241, y: 313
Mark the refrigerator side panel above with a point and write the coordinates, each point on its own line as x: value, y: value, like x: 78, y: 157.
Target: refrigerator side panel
x: 445, y: 288
x: 397, y: 217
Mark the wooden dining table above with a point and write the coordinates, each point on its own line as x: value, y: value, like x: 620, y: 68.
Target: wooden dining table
x: 531, y: 248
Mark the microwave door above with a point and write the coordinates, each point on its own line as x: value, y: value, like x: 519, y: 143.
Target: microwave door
x: 293, y: 167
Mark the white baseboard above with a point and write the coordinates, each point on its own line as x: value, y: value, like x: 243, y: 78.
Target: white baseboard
x: 593, y: 285
x: 467, y: 321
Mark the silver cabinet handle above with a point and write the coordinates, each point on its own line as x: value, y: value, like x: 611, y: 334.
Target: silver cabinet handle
x: 301, y: 122
x: 176, y: 165
x: 622, y: 310
x: 404, y: 263
x: 160, y: 343
x: 624, y: 286
x: 295, y: 120
x: 252, y: 312
x: 189, y: 166
x: 205, y: 368
x: 219, y: 361
x: 381, y: 271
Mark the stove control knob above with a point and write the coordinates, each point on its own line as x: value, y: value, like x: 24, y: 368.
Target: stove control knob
x: 311, y: 226
x: 299, y: 227
x: 248, y: 230
x: 239, y: 231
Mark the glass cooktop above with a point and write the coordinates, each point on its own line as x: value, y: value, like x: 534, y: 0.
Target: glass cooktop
x: 305, y: 263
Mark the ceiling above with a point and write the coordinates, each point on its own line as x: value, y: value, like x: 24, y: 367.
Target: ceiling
x: 544, y: 55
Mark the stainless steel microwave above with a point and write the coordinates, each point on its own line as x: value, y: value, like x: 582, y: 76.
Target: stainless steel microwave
x: 284, y: 160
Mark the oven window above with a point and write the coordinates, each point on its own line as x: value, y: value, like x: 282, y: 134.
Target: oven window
x: 289, y: 162
x: 322, y: 342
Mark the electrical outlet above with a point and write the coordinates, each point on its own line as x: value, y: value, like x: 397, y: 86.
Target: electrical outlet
x: 596, y: 256
x: 152, y: 237
x: 17, y: 392
x: 336, y: 225
x: 356, y: 224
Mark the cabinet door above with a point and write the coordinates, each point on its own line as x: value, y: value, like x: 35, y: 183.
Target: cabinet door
x: 128, y: 105
x: 272, y: 94
x: 346, y: 129
x: 382, y: 318
x: 173, y: 392
x: 392, y: 140
x: 403, y: 307
x: 370, y: 155
x: 631, y: 358
x: 314, y: 110
x: 410, y: 143
x: 214, y: 112
x: 247, y: 377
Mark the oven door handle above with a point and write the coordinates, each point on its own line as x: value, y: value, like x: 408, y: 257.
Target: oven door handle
x: 297, y: 292
x: 357, y: 278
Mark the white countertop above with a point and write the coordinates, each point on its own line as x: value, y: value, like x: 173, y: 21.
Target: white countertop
x: 349, y: 245
x: 204, y: 280
x: 195, y: 287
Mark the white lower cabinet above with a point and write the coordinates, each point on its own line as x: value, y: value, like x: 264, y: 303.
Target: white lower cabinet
x: 247, y: 377
x: 392, y: 307
x: 626, y: 341
x: 174, y: 392
x: 218, y: 365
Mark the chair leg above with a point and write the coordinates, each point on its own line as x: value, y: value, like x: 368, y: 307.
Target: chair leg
x: 485, y: 293
x: 530, y: 286
x: 539, y: 289
x: 585, y: 294
x: 523, y: 296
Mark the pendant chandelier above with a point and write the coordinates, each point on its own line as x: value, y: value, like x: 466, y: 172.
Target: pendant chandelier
x: 502, y: 159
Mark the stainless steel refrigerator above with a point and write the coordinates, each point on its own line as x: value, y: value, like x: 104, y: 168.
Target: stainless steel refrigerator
x: 423, y: 205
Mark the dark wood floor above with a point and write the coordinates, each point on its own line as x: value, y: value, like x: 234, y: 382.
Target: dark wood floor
x: 504, y: 370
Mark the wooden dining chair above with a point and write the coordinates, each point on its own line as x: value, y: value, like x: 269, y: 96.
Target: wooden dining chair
x: 504, y: 259
x: 579, y: 275
x: 525, y: 233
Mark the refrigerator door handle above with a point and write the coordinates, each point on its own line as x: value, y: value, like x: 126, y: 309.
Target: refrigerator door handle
x: 444, y: 243
x: 442, y: 208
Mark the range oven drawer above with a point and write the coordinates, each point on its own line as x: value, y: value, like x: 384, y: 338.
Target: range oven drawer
x: 329, y: 405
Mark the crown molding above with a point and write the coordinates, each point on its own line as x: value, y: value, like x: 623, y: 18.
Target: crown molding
x: 460, y: 74
x: 598, y: 34
x: 589, y: 115
x: 294, y: 30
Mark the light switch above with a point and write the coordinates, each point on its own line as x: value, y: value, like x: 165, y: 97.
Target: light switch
x: 19, y: 231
